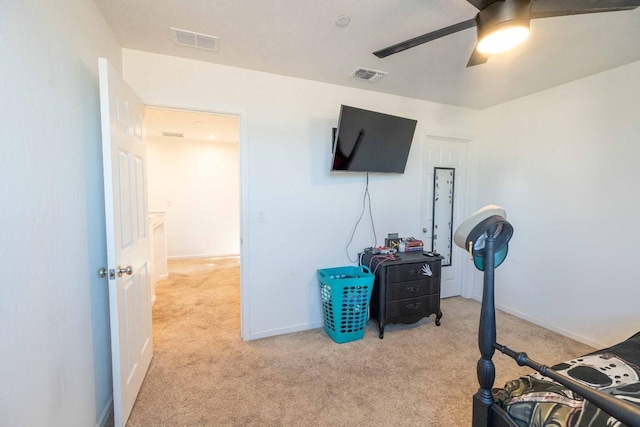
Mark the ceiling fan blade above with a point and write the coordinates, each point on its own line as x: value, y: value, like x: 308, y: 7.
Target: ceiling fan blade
x: 416, y: 41
x: 477, y: 58
x: 481, y: 4
x: 550, y: 8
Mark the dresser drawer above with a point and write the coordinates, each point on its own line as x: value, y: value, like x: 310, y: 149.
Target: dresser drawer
x: 412, y: 306
x: 413, y: 288
x: 413, y: 271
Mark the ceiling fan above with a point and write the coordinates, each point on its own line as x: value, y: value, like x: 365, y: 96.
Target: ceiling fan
x: 503, y: 24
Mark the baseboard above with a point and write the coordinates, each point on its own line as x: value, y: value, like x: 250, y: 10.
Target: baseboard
x: 106, y: 413
x: 281, y: 331
x: 179, y: 257
x: 546, y: 325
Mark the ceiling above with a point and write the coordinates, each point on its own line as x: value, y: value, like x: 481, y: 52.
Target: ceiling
x: 194, y: 126
x: 300, y: 38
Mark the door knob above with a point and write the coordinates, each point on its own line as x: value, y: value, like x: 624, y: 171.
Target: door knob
x: 125, y: 270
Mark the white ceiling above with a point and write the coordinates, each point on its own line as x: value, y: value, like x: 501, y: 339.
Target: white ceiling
x: 193, y: 125
x: 299, y: 38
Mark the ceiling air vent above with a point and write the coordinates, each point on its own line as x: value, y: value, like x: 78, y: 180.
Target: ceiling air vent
x: 173, y: 134
x: 197, y: 40
x: 367, y: 74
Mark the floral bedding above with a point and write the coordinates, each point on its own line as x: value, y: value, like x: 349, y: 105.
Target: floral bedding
x: 536, y: 401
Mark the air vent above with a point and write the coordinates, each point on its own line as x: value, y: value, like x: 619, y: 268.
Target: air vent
x: 197, y: 40
x: 173, y: 134
x: 367, y: 74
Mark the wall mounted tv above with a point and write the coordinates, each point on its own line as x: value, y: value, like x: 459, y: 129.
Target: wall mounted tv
x: 367, y: 141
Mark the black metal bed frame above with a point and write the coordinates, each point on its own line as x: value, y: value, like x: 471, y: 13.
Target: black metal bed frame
x: 487, y: 413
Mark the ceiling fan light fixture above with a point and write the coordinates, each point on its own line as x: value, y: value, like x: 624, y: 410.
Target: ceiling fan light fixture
x: 503, y: 39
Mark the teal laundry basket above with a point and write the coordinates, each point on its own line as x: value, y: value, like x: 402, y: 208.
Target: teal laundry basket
x: 346, y: 293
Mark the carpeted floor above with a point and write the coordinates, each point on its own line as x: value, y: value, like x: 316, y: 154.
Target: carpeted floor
x: 203, y: 374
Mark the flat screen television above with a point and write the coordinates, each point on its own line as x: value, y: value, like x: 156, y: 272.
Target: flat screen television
x: 368, y: 141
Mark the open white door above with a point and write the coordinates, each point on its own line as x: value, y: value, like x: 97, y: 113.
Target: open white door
x: 124, y: 163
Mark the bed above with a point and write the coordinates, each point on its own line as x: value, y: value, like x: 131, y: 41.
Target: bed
x: 593, y: 390
x: 596, y: 390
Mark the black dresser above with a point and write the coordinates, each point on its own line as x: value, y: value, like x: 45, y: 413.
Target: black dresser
x: 405, y: 289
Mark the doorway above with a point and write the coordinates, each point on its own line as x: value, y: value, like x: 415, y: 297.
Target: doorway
x: 194, y: 182
x: 450, y: 153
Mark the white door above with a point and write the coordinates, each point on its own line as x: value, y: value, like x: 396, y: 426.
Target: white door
x: 446, y: 153
x: 124, y: 163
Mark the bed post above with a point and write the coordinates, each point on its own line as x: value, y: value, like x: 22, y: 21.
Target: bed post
x: 486, y: 371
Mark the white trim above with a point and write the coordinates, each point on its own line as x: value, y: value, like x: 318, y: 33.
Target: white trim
x: 106, y: 412
x: 243, y: 145
x: 449, y: 138
x: 180, y: 257
x: 281, y: 331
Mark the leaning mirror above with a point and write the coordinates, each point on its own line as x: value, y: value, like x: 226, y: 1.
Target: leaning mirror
x: 442, y: 233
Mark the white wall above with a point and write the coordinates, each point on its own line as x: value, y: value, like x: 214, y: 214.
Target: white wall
x: 565, y: 163
x: 285, y: 153
x: 197, y: 183
x: 55, y: 356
